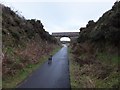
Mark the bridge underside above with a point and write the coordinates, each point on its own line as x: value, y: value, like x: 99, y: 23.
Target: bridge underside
x: 72, y: 39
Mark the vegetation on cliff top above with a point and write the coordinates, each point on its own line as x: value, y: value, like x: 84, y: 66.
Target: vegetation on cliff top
x: 105, y: 30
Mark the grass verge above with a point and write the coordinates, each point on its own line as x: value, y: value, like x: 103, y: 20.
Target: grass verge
x: 96, y: 75
x: 74, y: 69
x: 12, y: 82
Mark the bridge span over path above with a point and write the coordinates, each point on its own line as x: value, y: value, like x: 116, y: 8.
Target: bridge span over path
x: 72, y: 35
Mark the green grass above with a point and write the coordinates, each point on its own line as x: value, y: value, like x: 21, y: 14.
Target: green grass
x: 12, y: 82
x: 108, y: 58
x: 79, y: 80
x: 73, y: 78
x: 74, y: 67
x: 112, y: 81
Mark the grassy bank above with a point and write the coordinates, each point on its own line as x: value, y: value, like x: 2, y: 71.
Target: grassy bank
x: 12, y: 82
x: 74, y: 70
x: 98, y: 72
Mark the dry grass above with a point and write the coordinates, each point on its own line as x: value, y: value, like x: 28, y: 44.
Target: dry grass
x: 16, y: 59
x: 90, y: 70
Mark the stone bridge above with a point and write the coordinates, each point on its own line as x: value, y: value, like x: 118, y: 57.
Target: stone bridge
x: 72, y: 35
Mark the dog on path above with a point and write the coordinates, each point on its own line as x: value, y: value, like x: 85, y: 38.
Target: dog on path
x: 50, y: 59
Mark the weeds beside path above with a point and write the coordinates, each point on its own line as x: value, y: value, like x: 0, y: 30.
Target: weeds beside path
x: 87, y: 71
x: 13, y: 81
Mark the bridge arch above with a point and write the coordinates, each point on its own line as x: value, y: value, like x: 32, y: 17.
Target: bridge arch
x: 72, y: 35
x: 65, y: 39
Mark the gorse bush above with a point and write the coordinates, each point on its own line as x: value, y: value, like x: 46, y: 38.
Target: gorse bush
x: 105, y: 30
x: 21, y: 29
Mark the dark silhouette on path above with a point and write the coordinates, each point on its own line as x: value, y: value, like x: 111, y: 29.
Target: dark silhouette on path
x: 54, y: 75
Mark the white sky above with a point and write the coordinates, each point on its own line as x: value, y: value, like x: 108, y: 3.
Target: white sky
x: 61, y: 15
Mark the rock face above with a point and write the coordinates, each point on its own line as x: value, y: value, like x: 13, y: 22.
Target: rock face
x: 105, y: 30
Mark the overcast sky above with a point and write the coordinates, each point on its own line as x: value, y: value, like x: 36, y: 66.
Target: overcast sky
x: 61, y: 15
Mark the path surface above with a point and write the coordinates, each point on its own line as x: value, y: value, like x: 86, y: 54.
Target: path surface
x: 54, y: 75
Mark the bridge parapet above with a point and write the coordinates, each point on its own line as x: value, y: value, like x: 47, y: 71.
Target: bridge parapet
x: 65, y: 34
